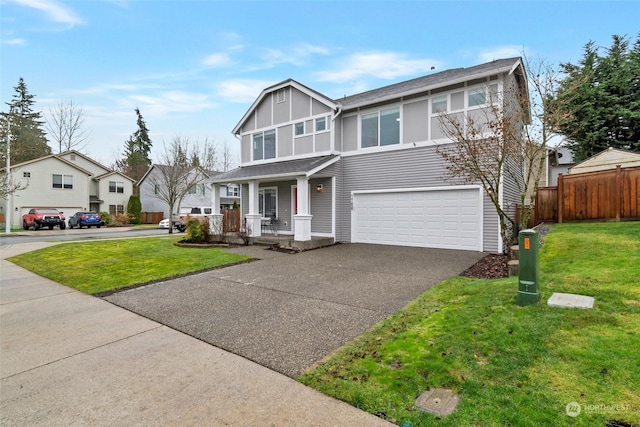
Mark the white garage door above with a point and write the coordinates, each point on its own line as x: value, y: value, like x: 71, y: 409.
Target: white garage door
x: 448, y: 218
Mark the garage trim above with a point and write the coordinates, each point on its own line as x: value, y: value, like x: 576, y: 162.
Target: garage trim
x: 479, y: 207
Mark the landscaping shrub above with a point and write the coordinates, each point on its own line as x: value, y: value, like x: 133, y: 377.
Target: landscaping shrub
x: 106, y: 217
x: 198, y: 230
x: 134, y: 208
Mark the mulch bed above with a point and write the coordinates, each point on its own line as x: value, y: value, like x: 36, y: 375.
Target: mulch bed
x: 494, y: 266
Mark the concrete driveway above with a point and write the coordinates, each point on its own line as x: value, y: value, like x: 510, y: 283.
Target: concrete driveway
x: 287, y: 311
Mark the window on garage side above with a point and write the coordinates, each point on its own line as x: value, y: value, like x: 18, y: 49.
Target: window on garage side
x: 62, y: 181
x: 380, y: 128
x: 116, y: 187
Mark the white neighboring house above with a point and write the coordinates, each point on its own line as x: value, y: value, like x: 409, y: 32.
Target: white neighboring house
x: 198, y: 195
x: 69, y: 182
x: 559, y: 161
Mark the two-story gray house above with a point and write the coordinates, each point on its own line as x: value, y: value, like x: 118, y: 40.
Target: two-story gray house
x: 364, y: 168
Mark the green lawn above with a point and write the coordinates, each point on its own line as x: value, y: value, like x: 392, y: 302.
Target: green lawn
x: 512, y: 366
x: 101, y: 266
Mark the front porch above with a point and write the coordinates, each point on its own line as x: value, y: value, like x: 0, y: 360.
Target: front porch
x: 288, y: 241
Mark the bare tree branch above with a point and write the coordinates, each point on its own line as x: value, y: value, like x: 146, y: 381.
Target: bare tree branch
x: 182, y: 165
x: 64, y: 124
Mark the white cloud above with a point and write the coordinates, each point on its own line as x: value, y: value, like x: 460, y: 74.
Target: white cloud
x: 54, y: 11
x: 217, y: 60
x: 500, y: 52
x: 297, y: 55
x: 242, y: 90
x: 15, y: 41
x: 385, y: 65
x: 169, y: 102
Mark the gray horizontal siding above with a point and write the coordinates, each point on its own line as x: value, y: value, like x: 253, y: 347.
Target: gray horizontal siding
x: 402, y: 169
x: 321, y: 205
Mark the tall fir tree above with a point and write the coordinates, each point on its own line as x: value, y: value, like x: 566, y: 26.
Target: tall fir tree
x: 137, y: 149
x: 602, y: 92
x: 23, y: 128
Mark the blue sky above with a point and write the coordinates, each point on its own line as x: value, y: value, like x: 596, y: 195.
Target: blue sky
x: 194, y: 67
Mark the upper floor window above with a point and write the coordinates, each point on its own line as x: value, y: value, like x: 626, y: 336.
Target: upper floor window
x: 156, y: 189
x: 197, y: 189
x: 280, y: 96
x: 62, y: 181
x: 477, y: 96
x: 264, y: 145
x: 381, y: 128
x: 439, y: 104
x: 321, y: 124
x: 299, y: 128
x: 116, y: 187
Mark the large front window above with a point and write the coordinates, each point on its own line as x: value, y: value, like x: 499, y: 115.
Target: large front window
x: 264, y: 145
x: 381, y: 128
x: 268, y: 201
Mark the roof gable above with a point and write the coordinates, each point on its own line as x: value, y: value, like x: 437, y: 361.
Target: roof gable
x: 271, y: 89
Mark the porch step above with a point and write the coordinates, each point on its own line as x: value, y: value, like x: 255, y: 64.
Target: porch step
x: 514, y: 267
x: 289, y: 242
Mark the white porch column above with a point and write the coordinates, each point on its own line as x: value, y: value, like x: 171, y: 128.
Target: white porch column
x: 215, y: 220
x: 254, y: 219
x: 302, y: 218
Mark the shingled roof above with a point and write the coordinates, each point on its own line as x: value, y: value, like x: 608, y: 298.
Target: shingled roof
x: 430, y: 81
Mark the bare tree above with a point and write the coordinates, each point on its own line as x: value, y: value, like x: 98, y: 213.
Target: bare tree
x: 226, y: 158
x: 64, y: 124
x: 508, y: 139
x: 182, y: 165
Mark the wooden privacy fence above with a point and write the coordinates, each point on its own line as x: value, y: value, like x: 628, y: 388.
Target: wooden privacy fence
x: 231, y: 220
x: 592, y: 196
x: 151, y: 217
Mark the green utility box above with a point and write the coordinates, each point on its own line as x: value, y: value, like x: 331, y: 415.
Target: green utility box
x: 528, y: 281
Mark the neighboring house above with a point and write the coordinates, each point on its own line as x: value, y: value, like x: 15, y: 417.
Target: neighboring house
x: 198, y: 195
x: 610, y: 158
x: 70, y: 182
x: 559, y: 161
x: 364, y: 168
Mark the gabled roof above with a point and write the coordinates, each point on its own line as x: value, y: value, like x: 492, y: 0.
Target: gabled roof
x: 607, y: 159
x: 285, y: 83
x: 104, y: 175
x: 431, y: 81
x: 307, y: 167
x: 50, y: 156
x: 87, y: 158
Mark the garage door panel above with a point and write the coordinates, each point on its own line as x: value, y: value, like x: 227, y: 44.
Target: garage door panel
x: 440, y: 219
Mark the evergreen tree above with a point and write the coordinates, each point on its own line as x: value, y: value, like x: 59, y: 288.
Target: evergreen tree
x: 134, y: 209
x: 23, y: 127
x: 137, y: 149
x: 603, y: 95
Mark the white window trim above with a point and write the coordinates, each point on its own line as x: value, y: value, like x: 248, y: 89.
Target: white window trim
x: 275, y: 156
x: 280, y: 100
x: 378, y: 110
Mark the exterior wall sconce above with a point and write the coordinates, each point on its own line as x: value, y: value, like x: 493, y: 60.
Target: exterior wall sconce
x: 320, y: 188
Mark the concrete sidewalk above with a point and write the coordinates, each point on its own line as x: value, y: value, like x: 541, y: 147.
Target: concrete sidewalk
x: 72, y: 359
